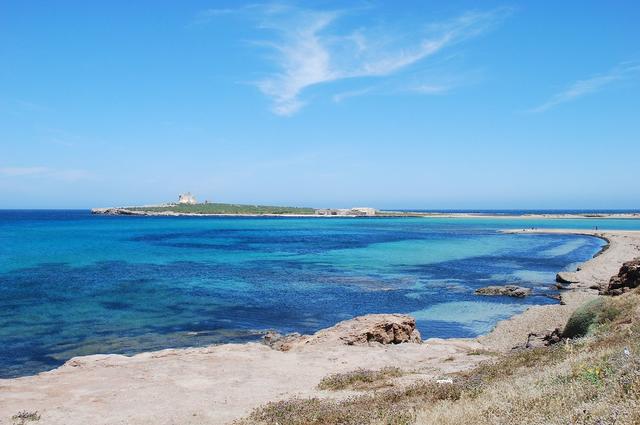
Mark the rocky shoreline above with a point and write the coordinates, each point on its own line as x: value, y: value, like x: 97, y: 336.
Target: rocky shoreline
x: 218, y: 384
x: 583, y: 285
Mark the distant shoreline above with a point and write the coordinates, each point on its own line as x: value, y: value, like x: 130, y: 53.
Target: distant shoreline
x: 156, y: 211
x: 537, y: 215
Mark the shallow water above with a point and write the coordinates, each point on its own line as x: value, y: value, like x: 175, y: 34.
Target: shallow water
x: 74, y: 284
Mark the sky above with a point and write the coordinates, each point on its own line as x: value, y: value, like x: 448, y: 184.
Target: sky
x: 412, y: 104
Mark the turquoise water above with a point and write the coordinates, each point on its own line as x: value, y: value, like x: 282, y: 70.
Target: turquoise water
x: 74, y: 284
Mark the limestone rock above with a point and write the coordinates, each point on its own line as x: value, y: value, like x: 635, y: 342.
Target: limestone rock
x: 279, y: 342
x: 627, y: 278
x: 362, y: 330
x: 508, y: 290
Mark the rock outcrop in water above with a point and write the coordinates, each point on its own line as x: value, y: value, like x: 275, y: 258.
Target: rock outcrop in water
x: 507, y: 290
x: 362, y: 330
x: 627, y: 278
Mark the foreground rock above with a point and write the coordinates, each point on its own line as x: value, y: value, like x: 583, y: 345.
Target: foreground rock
x: 362, y: 330
x: 627, y: 278
x: 280, y: 342
x: 507, y: 290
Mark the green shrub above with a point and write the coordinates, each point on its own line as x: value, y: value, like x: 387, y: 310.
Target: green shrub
x: 584, y: 319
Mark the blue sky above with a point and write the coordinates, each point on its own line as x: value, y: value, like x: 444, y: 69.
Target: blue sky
x: 409, y: 104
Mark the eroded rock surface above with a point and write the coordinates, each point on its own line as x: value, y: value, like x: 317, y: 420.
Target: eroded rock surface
x: 627, y: 278
x: 362, y: 330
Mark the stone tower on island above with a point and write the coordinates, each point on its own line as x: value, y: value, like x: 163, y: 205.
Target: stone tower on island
x: 187, y: 198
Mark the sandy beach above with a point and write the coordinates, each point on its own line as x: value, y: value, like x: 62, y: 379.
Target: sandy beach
x: 217, y: 384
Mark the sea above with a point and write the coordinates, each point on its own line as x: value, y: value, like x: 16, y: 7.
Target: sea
x: 73, y: 284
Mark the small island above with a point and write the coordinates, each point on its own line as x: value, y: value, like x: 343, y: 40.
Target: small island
x: 187, y: 205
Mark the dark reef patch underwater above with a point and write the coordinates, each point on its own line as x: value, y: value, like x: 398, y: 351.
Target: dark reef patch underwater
x: 75, y: 284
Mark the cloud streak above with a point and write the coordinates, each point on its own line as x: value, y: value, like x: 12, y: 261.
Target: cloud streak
x: 22, y: 171
x: 581, y: 88
x: 308, y: 53
x: 309, y: 48
x: 69, y: 175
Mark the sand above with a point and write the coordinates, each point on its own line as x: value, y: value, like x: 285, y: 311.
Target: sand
x: 214, y: 385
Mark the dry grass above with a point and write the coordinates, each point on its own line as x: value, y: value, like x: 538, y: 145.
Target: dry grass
x: 592, y: 380
x: 22, y: 418
x: 393, y: 407
x: 595, y: 380
x: 360, y: 379
x: 482, y: 352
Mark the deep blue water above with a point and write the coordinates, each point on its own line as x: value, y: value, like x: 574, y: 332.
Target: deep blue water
x: 74, y: 284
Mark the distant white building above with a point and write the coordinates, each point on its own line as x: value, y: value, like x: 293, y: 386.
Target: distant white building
x: 365, y: 210
x: 187, y: 198
x: 357, y: 211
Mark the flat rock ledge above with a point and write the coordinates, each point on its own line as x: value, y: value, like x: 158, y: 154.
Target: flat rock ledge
x: 507, y: 290
x: 362, y: 330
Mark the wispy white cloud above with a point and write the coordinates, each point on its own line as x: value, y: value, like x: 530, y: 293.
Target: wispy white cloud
x: 312, y: 47
x: 22, y: 171
x: 433, y: 81
x: 304, y: 60
x: 29, y: 106
x: 394, y: 88
x: 68, y: 175
x: 339, y: 97
x: 430, y: 89
x: 208, y: 15
x: 580, y: 88
x: 309, y: 54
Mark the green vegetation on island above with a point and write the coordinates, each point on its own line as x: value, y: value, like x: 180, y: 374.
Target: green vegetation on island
x: 218, y: 208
